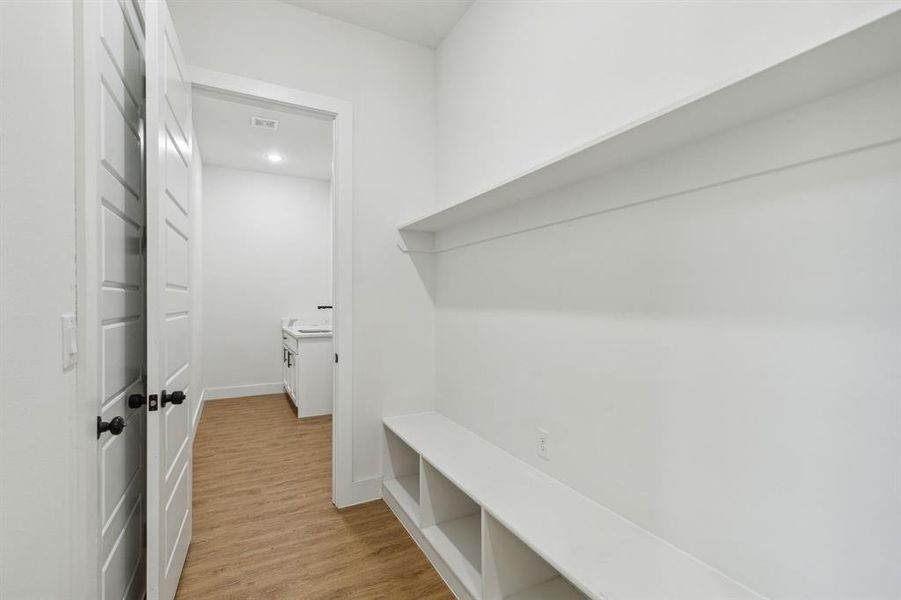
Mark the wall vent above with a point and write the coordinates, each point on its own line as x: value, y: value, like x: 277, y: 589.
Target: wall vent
x: 264, y: 123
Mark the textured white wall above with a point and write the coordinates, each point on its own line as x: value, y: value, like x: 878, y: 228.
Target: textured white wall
x: 37, y: 285
x: 266, y: 257
x: 391, y: 86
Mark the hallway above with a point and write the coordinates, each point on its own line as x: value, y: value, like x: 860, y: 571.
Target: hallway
x: 264, y: 525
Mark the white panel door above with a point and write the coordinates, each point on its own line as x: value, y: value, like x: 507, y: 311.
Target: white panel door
x: 169, y: 146
x: 117, y: 211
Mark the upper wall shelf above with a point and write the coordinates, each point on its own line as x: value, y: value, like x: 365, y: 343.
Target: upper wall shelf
x: 859, y: 56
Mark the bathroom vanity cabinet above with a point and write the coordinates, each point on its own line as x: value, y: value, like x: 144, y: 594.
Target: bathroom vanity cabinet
x: 307, y: 371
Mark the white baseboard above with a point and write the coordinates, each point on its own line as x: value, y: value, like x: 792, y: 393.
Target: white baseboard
x: 239, y: 391
x: 196, y: 416
x: 360, y: 492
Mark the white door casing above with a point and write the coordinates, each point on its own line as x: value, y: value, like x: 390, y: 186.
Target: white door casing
x: 169, y: 427
x: 346, y: 489
x: 111, y: 312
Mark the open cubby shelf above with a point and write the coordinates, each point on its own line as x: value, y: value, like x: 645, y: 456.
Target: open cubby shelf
x: 452, y: 523
x: 401, y: 480
x: 496, y: 528
x: 513, y: 570
x: 405, y: 490
x: 458, y: 542
x: 554, y: 589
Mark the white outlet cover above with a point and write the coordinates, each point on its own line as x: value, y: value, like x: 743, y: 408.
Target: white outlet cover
x: 541, y: 443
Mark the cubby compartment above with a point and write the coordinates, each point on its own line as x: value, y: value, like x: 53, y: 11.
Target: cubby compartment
x: 452, y: 523
x: 498, y: 529
x: 401, y: 475
x: 513, y: 571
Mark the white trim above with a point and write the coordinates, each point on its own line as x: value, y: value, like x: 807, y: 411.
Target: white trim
x: 241, y: 391
x: 362, y: 491
x: 198, y: 413
x: 345, y: 491
x: 85, y: 508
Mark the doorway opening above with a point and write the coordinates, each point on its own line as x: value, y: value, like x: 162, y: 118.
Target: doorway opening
x: 266, y: 259
x: 276, y: 253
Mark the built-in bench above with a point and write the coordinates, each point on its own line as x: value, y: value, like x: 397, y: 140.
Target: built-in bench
x: 496, y: 528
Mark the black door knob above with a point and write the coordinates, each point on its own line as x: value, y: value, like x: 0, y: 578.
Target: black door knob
x: 175, y: 397
x: 136, y: 401
x: 115, y: 426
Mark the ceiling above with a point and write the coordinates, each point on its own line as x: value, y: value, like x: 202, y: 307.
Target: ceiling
x: 222, y: 126
x: 423, y: 22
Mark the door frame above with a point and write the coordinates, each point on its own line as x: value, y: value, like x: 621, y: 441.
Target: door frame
x: 345, y: 490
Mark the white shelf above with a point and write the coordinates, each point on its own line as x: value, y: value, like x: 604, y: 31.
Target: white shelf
x: 602, y: 554
x: 458, y: 542
x: 510, y: 569
x: 405, y: 491
x: 555, y: 589
x: 861, y: 55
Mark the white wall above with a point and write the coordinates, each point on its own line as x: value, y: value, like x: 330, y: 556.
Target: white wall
x: 37, y: 285
x: 520, y: 83
x: 718, y: 366
x: 391, y: 86
x: 195, y: 397
x: 267, y: 256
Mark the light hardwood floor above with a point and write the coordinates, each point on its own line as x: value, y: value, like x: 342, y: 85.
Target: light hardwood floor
x: 264, y: 524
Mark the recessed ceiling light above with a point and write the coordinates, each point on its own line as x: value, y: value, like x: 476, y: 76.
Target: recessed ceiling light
x: 275, y: 157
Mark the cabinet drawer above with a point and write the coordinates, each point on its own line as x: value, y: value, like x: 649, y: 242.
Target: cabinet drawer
x: 289, y: 342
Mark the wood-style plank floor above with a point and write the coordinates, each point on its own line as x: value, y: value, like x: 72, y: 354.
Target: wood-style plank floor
x: 264, y: 524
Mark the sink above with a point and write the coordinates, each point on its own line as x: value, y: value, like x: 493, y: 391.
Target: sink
x: 298, y: 326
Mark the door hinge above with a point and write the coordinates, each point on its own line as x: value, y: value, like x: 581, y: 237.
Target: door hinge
x: 336, y: 357
x: 143, y: 240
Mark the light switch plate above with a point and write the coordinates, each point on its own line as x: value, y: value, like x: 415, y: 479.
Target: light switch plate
x: 70, y: 341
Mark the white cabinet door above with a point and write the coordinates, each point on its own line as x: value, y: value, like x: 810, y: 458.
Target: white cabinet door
x: 315, y: 381
x: 169, y: 428
x: 295, y: 381
x: 291, y: 379
x: 285, y: 367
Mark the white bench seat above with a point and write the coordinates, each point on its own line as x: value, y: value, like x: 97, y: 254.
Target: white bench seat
x: 597, y: 553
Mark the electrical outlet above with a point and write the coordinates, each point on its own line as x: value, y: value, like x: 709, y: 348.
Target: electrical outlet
x: 542, y: 444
